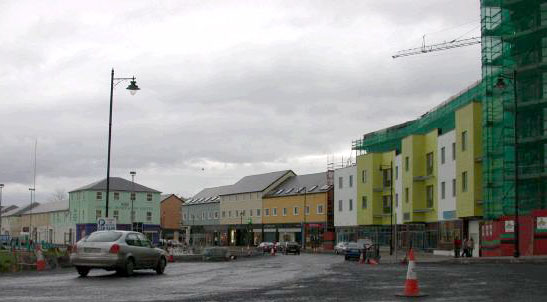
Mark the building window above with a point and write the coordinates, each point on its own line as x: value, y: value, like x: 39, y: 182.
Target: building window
x: 464, y: 140
x: 223, y: 214
x: 307, y: 210
x: 364, y: 202
x: 216, y: 215
x: 364, y: 176
x: 396, y: 200
x: 251, y: 211
x: 116, y: 196
x: 257, y: 212
x: 340, y: 182
x: 284, y: 211
x: 351, y: 204
x: 429, y: 196
x: 464, y: 181
x: 133, y: 196
x: 406, y: 163
x: 148, y: 216
x: 229, y: 214
x: 387, y: 177
x: 237, y: 213
x: 319, y: 209
x: 443, y: 190
x: 99, y: 195
x: 210, y: 215
x: 98, y: 214
x: 184, y: 216
x: 149, y: 197
x: 396, y: 172
x: 386, y: 204
x: 407, y: 197
x: 243, y: 213
x: 453, y: 151
x: 429, y: 163
x: 274, y: 211
x: 339, y: 206
x: 266, y: 212
x: 116, y: 215
x: 442, y: 155
x: 295, y: 211
x: 453, y: 187
x: 351, y: 181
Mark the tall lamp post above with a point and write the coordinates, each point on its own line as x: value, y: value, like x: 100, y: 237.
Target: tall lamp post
x: 304, y: 219
x: 390, y: 167
x: 133, y: 88
x: 1, y: 189
x: 501, y: 85
x: 133, y: 173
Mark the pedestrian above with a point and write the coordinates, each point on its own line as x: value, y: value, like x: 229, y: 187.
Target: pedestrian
x: 457, y: 246
x: 470, y: 247
x: 464, y: 247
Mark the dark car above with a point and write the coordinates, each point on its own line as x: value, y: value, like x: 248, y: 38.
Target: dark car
x: 216, y: 254
x: 292, y: 248
x: 353, y: 251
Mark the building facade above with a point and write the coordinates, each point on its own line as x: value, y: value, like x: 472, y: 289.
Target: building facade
x: 201, y: 218
x: 345, y: 203
x: 298, y: 210
x: 171, y: 216
x: 241, y: 206
x: 49, y: 222
x: 134, y: 206
x: 12, y: 221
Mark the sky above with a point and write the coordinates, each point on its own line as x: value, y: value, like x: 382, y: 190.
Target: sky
x: 228, y: 88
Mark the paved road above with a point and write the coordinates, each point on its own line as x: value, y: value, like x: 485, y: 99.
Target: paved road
x: 281, y: 278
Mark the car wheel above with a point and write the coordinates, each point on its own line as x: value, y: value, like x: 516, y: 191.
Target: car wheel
x: 129, y: 266
x: 82, y: 271
x: 346, y: 258
x: 336, y: 252
x: 161, y: 266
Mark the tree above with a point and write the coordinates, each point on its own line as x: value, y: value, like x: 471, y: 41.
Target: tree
x: 58, y: 195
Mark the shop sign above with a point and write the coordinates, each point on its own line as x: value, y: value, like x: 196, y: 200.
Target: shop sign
x: 542, y: 223
x: 509, y: 226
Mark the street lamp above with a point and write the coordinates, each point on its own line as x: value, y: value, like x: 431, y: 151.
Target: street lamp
x: 133, y: 88
x: 390, y: 167
x: 501, y: 85
x: 1, y: 189
x: 132, y: 195
x: 304, y: 219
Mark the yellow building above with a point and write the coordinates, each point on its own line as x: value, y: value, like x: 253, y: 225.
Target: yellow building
x: 300, y: 210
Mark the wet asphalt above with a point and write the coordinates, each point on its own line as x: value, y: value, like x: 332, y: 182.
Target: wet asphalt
x: 283, y: 278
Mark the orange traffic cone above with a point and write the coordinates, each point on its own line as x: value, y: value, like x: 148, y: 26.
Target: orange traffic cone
x: 40, y: 261
x: 372, y: 261
x: 411, y: 283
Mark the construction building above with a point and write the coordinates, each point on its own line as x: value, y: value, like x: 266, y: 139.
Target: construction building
x: 496, y: 130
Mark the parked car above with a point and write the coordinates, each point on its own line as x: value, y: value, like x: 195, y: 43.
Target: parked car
x: 353, y: 251
x: 292, y: 247
x: 216, y: 254
x: 341, y: 248
x: 265, y: 247
x: 122, y: 251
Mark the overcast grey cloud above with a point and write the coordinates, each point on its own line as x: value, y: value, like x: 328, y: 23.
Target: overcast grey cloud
x: 229, y: 88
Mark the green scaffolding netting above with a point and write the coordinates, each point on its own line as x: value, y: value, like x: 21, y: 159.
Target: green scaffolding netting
x: 514, y: 48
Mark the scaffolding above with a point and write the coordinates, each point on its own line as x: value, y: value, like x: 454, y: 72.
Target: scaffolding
x: 514, y: 49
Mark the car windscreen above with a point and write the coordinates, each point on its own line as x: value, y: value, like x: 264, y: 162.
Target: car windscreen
x: 104, y: 237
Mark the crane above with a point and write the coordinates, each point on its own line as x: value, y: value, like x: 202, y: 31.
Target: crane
x: 437, y: 47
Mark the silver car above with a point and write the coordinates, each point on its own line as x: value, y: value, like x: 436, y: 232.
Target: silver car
x: 121, y: 251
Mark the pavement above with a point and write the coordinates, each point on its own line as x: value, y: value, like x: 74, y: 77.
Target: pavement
x: 308, y: 277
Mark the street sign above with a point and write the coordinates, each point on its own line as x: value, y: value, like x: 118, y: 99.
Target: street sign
x: 106, y: 224
x: 509, y: 226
